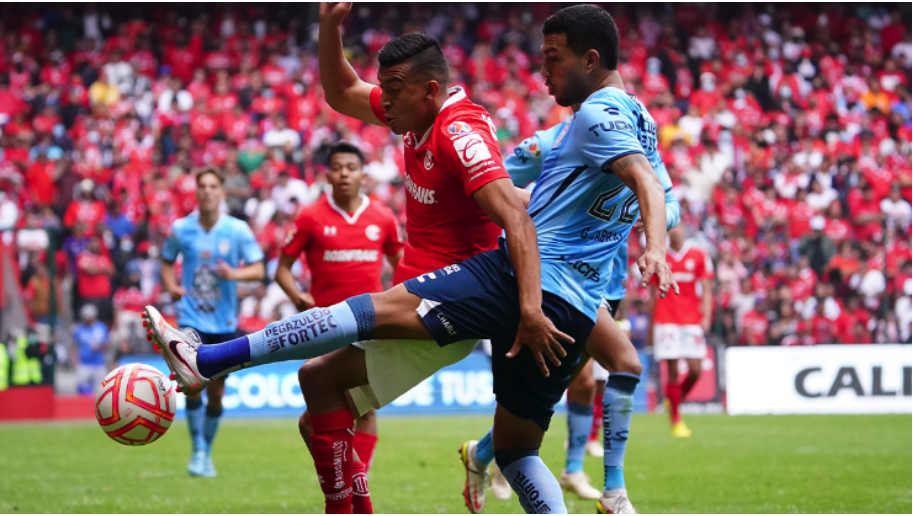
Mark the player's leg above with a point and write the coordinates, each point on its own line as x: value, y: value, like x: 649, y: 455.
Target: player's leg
x: 387, y: 315
x: 693, y: 351
x: 611, y: 347
x: 195, y: 414
x: 580, y: 417
x: 214, y: 392
x: 595, y: 439
x: 366, y: 437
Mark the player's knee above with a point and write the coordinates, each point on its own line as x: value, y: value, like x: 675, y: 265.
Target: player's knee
x: 310, y: 376
x: 629, y: 364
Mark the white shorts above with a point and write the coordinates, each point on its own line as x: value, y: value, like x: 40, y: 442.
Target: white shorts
x: 396, y: 366
x: 672, y: 341
x: 600, y: 374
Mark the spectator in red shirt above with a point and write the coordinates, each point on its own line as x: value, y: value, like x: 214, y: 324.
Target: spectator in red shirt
x: 85, y: 209
x: 822, y: 328
x: 755, y: 326
x: 95, y: 270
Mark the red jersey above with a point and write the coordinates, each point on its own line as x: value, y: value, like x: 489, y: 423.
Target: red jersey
x: 343, y: 251
x: 457, y: 156
x: 688, y: 266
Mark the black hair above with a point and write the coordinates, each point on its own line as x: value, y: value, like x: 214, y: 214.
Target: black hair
x: 587, y: 27
x: 345, y: 148
x: 421, y: 52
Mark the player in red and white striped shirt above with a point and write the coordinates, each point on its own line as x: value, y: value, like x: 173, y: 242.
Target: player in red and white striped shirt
x: 680, y: 322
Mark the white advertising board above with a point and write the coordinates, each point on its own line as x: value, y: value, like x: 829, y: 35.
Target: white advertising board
x: 839, y: 379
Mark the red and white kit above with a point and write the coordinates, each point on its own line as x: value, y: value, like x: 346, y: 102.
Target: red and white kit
x: 677, y: 319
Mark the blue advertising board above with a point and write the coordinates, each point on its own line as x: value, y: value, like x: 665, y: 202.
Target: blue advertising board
x: 462, y: 388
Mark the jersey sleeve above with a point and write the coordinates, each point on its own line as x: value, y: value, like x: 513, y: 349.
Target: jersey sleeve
x: 250, y: 250
x: 673, y: 211
x: 375, y: 99
x: 603, y: 132
x: 525, y: 164
x: 707, y: 267
x: 392, y: 242
x: 172, y: 246
x: 469, y: 149
x: 299, y: 236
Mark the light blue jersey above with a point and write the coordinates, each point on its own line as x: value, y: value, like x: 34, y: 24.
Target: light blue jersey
x: 211, y: 304
x: 525, y: 165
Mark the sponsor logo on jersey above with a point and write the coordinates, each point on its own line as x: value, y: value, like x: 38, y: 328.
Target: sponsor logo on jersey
x: 373, y: 233
x: 472, y: 149
x: 351, y: 255
x: 561, y: 136
x: 684, y: 277
x: 617, y: 125
x: 585, y: 269
x: 533, y: 150
x: 420, y: 194
x: 329, y: 230
x: 459, y: 129
x: 224, y: 247
x: 291, y: 235
x: 429, y: 161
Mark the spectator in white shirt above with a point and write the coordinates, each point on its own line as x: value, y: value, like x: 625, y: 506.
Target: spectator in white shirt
x: 281, y: 135
x: 903, y: 49
x: 702, y: 45
x: 820, y: 197
x: 175, y: 92
x: 288, y: 188
x: 896, y: 209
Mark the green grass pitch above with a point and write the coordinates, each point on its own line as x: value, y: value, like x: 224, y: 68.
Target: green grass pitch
x: 783, y: 464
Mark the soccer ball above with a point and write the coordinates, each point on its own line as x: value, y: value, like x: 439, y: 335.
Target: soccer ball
x: 136, y: 404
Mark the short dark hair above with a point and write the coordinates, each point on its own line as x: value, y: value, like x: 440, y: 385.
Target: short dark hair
x: 209, y: 170
x: 587, y: 27
x: 345, y: 148
x: 423, y: 54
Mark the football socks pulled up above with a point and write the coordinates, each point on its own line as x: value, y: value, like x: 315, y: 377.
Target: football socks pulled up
x: 580, y: 418
x: 537, y: 489
x: 618, y: 397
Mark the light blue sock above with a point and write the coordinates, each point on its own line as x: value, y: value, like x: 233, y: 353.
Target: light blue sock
x: 485, y: 451
x: 580, y: 418
x: 536, y: 487
x: 194, y: 409
x: 617, y: 419
x: 211, y: 426
x: 308, y: 334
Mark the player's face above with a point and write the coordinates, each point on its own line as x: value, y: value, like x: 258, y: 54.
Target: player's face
x: 563, y: 70
x: 345, y: 174
x: 209, y: 193
x: 404, y: 98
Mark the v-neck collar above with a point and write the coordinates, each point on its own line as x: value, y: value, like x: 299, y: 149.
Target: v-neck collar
x: 350, y: 219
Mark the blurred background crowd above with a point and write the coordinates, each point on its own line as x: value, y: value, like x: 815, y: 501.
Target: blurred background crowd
x: 786, y: 129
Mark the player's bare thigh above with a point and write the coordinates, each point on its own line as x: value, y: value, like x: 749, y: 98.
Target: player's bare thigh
x: 396, y: 317
x: 609, y: 346
x: 326, y: 380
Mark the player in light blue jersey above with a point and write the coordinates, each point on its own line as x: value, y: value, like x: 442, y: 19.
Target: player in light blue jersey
x: 591, y: 190
x: 525, y: 166
x: 216, y: 251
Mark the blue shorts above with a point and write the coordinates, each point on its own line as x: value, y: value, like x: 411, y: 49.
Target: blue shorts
x: 477, y: 299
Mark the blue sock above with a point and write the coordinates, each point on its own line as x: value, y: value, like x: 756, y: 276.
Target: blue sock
x: 617, y: 419
x: 194, y: 409
x: 211, y: 426
x: 308, y: 334
x: 536, y: 487
x: 485, y: 452
x: 580, y: 418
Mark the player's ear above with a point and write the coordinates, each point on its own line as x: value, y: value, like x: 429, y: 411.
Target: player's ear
x: 431, y: 89
x: 591, y: 60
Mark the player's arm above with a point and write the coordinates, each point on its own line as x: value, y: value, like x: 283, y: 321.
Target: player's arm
x: 651, y: 306
x: 636, y: 172
x: 343, y: 90
x: 498, y: 199
x: 394, y: 259
x: 250, y: 272
x: 286, y: 280
x: 170, y: 281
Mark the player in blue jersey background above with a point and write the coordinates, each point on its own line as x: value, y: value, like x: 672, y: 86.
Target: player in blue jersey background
x: 216, y: 251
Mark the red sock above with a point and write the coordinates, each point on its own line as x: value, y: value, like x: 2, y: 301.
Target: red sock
x: 331, y: 447
x: 364, y: 444
x: 687, y: 385
x: 674, y: 394
x: 596, y: 429
x: 361, y: 498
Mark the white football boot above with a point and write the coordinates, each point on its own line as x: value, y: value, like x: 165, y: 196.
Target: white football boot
x: 615, y: 502
x: 178, y: 350
x: 500, y: 486
x: 579, y: 484
x: 477, y: 481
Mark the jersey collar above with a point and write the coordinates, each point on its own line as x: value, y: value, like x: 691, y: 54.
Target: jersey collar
x: 456, y: 94
x: 355, y: 216
x: 682, y: 252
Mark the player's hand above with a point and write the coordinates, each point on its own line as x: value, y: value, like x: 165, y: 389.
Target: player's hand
x: 176, y: 293
x: 543, y: 338
x: 639, y: 225
x: 223, y: 270
x: 706, y: 324
x: 303, y: 301
x: 334, y: 12
x: 653, y: 263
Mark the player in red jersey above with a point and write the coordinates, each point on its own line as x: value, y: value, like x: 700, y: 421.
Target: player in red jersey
x: 343, y: 237
x: 459, y: 196
x: 680, y: 322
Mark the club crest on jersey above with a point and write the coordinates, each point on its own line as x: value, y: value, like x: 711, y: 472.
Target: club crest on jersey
x: 459, y: 129
x: 224, y: 247
x: 471, y: 149
x: 429, y: 161
x: 409, y: 140
x: 373, y: 233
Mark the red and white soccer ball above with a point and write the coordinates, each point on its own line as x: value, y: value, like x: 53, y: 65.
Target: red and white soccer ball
x: 136, y: 404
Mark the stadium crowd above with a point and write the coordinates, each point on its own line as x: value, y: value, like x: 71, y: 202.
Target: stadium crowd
x: 786, y: 130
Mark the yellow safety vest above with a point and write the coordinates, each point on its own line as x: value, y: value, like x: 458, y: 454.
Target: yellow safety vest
x: 4, y: 368
x: 25, y: 370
